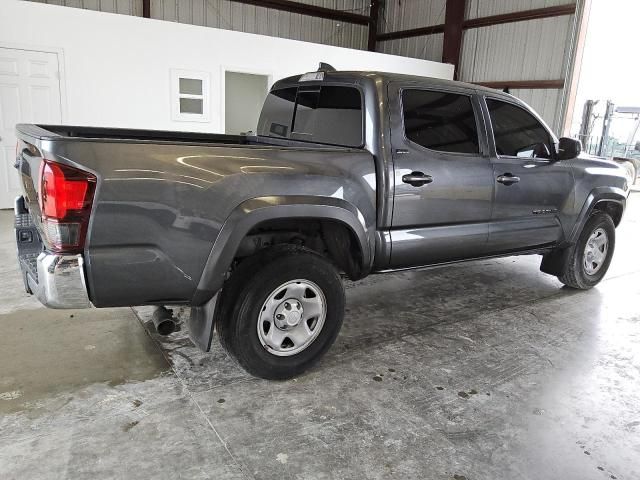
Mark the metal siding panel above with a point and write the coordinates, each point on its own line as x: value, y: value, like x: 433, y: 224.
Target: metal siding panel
x: 485, y: 8
x: 246, y: 18
x: 532, y: 50
x: 408, y: 14
x: 108, y: 6
x: 91, y: 4
x: 427, y: 47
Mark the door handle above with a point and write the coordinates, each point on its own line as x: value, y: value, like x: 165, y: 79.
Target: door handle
x: 417, y: 179
x: 507, y: 179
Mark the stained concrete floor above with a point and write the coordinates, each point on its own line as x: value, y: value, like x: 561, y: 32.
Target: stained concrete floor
x: 485, y: 370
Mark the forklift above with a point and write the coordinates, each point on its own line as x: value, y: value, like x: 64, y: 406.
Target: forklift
x: 627, y: 154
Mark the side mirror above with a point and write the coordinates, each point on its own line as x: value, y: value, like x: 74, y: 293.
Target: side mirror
x: 569, y: 148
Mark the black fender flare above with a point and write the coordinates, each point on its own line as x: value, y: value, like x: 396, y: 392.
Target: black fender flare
x: 256, y: 210
x: 597, y: 195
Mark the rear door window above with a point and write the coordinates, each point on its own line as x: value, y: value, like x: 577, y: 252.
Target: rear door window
x: 440, y: 121
x: 322, y: 114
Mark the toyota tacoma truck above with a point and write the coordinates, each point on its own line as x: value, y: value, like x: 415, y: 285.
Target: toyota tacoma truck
x: 347, y: 174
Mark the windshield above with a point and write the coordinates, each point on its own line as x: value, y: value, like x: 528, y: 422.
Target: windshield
x: 321, y: 114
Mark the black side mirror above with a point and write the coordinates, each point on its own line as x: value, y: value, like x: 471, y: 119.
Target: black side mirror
x: 569, y: 148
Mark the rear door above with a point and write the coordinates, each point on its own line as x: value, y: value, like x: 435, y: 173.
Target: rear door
x: 532, y: 189
x: 442, y: 176
x: 29, y: 93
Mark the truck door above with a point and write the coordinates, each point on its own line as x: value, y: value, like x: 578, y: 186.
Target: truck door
x: 443, y: 182
x: 532, y: 189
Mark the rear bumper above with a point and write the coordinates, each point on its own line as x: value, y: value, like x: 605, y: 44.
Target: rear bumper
x: 57, y: 280
x: 60, y: 282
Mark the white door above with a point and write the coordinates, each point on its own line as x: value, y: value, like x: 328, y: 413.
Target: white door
x: 29, y: 93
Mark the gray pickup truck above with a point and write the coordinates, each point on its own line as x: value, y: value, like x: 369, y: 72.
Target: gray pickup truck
x: 349, y: 173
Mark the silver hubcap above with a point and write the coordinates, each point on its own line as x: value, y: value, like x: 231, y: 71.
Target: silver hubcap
x: 595, y: 252
x: 291, y: 317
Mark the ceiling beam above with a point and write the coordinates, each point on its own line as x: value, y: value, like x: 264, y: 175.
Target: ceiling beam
x: 310, y: 10
x: 414, y: 32
x: 374, y: 19
x: 525, y: 84
x: 452, y: 44
x: 522, y: 16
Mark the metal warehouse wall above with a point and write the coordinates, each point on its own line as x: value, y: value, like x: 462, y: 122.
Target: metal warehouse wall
x: 246, y: 18
x: 532, y: 50
x: 408, y: 14
x: 125, y: 7
x: 528, y: 50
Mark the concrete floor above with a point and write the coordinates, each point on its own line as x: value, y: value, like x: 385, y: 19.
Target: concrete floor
x: 485, y: 370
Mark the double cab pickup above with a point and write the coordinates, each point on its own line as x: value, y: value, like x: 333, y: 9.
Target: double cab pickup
x: 347, y: 174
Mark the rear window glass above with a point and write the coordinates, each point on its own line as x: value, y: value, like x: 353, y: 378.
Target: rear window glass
x: 327, y: 114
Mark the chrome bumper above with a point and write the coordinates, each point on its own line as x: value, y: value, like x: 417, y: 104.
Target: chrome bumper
x: 57, y: 280
x: 60, y: 282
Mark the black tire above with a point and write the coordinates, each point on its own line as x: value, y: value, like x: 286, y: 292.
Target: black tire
x: 245, y: 293
x: 574, y: 272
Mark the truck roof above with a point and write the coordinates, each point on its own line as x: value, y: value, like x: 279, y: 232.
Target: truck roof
x: 386, y: 77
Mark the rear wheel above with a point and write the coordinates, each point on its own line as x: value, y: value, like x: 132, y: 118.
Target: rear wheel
x: 281, y: 310
x: 588, y: 260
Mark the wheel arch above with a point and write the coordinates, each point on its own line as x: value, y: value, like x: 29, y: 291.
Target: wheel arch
x: 610, y: 200
x: 260, y: 210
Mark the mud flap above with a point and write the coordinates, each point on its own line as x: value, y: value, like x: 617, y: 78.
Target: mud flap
x: 200, y: 323
x: 553, y: 262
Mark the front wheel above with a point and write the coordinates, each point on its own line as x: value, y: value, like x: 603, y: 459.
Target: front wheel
x: 281, y: 310
x: 588, y: 260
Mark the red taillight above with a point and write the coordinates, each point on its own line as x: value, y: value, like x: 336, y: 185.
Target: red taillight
x: 66, y: 194
x: 63, y: 190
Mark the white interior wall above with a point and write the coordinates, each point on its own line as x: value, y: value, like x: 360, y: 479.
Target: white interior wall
x: 115, y: 68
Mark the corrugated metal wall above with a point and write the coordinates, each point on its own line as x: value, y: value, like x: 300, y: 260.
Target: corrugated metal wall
x: 485, y: 8
x: 531, y: 50
x: 405, y: 15
x: 125, y: 7
x: 246, y: 18
x: 265, y: 21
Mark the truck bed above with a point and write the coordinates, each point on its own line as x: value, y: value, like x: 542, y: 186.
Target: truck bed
x: 162, y: 198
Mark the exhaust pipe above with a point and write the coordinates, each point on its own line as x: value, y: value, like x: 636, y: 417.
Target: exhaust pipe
x: 163, y: 321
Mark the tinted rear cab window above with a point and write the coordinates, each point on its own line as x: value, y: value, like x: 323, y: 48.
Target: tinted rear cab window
x: 440, y: 121
x: 322, y: 114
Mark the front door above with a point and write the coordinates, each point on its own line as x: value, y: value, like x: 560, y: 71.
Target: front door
x: 532, y: 189
x: 29, y: 93
x: 442, y: 176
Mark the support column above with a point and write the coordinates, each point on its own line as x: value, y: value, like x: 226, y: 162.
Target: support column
x: 453, y: 23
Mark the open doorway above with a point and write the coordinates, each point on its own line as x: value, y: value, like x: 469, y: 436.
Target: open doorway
x: 244, y: 96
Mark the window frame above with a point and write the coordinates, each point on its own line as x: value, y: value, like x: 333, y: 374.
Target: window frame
x: 176, y: 114
x: 321, y: 84
x: 476, y: 114
x: 492, y: 138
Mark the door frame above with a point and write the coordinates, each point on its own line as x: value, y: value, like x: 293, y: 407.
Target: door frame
x: 62, y: 74
x: 238, y: 69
